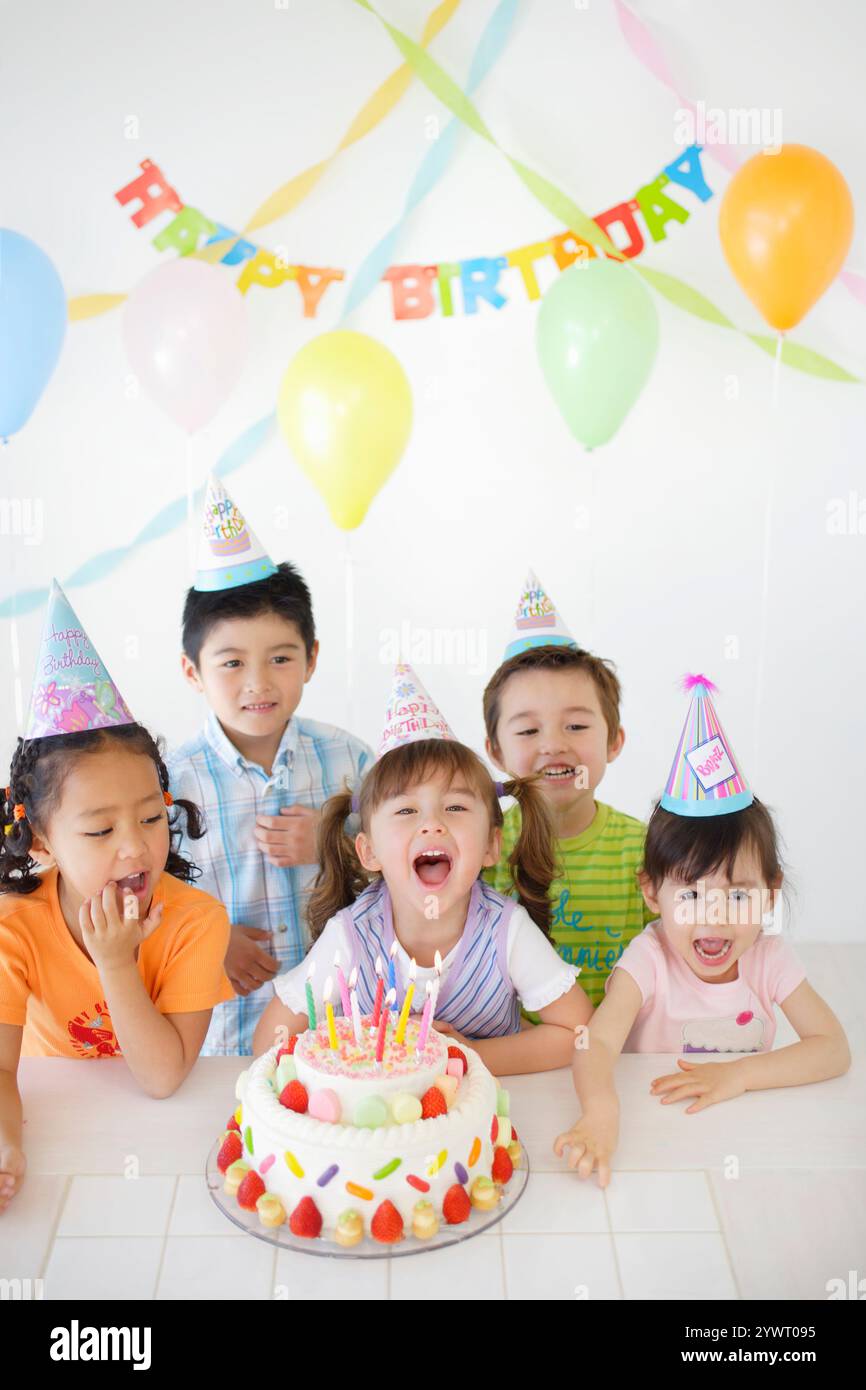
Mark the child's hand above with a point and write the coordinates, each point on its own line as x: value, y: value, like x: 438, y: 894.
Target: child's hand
x: 591, y: 1142
x: 452, y: 1033
x: 710, y: 1081
x: 247, y: 965
x: 290, y: 837
x: 113, y: 935
x: 12, y: 1165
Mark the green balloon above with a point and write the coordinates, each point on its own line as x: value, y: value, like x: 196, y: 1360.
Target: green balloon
x: 597, y: 336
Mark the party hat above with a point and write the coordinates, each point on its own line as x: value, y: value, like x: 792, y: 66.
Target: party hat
x: 230, y: 553
x: 411, y: 714
x: 72, y: 690
x: 537, y: 622
x: 705, y: 779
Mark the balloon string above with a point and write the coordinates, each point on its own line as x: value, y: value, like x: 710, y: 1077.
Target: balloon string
x: 15, y: 649
x: 768, y: 532
x: 190, y: 494
x: 349, y: 594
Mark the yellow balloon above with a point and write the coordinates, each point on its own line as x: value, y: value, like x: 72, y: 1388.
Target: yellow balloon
x: 786, y: 223
x: 345, y: 410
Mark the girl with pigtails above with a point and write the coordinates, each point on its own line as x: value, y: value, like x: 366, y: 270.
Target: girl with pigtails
x: 403, y: 897
x: 106, y: 948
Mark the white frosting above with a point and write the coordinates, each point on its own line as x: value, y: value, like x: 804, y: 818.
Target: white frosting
x: 360, y: 1153
x: 351, y: 1089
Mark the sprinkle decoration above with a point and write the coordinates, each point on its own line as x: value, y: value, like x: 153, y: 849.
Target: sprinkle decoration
x: 248, y: 1139
x: 267, y: 1163
x: 474, y: 1152
x: 494, y: 1130
x: 460, y: 1173
x: 418, y: 1183
x: 324, y: 1178
x: 293, y: 1165
x: 388, y: 1169
x: 355, y: 1191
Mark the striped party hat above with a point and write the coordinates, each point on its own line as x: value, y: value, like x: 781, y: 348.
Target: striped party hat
x: 72, y: 690
x: 411, y: 714
x: 705, y: 779
x: 536, y: 622
x: 230, y: 553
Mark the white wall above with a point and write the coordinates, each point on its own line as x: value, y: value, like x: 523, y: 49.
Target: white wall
x: 235, y: 98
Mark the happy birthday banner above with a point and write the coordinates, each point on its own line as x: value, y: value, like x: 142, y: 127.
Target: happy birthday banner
x: 412, y: 286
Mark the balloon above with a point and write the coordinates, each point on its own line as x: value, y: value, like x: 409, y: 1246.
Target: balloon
x: 185, y: 334
x: 32, y: 327
x: 786, y: 224
x: 345, y: 409
x: 596, y: 337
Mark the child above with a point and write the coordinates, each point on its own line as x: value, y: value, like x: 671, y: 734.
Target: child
x: 430, y: 819
x: 259, y: 774
x: 705, y: 975
x: 108, y: 951
x: 552, y: 710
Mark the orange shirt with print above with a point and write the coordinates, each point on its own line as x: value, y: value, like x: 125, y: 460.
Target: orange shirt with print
x: 51, y: 988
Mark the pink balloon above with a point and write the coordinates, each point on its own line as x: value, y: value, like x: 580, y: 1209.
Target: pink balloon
x: 185, y: 334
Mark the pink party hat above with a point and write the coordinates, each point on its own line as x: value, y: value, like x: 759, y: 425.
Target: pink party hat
x: 411, y: 714
x: 72, y: 690
x: 536, y: 622
x: 705, y: 779
x: 230, y: 553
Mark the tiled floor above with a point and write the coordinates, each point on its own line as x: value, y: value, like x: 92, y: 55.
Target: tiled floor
x: 764, y: 1197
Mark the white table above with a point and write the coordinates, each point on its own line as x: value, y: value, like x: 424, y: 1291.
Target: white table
x: 762, y: 1197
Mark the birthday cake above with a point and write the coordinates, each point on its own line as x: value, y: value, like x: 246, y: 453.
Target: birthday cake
x: 342, y: 1137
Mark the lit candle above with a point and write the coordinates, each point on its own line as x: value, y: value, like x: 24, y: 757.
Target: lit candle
x: 425, y: 1020
x: 437, y: 961
x: 380, y: 986
x: 392, y: 974
x: 311, y: 1003
x: 400, y: 1034
x: 329, y: 1014
x: 341, y: 986
x: 353, y: 999
x: 383, y: 1027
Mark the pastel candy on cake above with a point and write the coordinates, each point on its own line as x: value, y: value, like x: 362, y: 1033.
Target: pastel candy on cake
x: 537, y: 622
x: 705, y: 777
x: 325, y: 1105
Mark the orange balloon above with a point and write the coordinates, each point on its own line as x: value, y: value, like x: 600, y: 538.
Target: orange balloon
x: 786, y: 224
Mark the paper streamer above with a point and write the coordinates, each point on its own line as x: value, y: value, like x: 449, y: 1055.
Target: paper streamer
x: 290, y: 195
x: 676, y: 291
x: 372, y: 268
x: 650, y: 55
x: 167, y: 519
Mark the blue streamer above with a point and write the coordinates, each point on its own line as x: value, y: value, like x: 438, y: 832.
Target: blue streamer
x: 167, y: 519
x: 433, y: 165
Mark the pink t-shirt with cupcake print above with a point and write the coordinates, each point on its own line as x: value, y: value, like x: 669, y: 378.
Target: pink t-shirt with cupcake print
x: 682, y: 1013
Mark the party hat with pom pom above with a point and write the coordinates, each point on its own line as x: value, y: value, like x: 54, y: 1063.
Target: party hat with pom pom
x: 411, y: 714
x: 705, y: 779
x: 536, y: 622
x: 230, y: 553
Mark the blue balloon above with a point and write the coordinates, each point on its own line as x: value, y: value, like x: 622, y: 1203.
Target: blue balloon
x: 33, y: 318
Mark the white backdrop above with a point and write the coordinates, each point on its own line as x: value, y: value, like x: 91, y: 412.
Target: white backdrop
x: 233, y: 99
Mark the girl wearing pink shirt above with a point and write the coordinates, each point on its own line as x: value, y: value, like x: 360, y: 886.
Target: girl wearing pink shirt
x: 703, y: 979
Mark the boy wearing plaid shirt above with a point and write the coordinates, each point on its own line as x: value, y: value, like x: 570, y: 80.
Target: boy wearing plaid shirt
x: 259, y: 774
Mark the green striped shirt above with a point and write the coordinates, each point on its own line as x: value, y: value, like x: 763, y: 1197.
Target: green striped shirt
x: 597, y: 907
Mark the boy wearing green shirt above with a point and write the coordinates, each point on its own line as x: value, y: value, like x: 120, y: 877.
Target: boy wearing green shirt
x: 552, y: 709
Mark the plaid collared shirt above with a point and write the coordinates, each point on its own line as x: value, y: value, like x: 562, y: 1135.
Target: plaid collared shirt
x: 312, y: 764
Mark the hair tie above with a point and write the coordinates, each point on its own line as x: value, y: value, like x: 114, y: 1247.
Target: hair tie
x: 500, y: 790
x: 19, y: 812
x: 356, y: 804
x: 168, y: 798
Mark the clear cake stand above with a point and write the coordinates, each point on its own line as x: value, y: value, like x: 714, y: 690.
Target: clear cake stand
x: 367, y: 1248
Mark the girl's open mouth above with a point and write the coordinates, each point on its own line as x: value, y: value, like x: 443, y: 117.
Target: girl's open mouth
x: 432, y: 867
x: 136, y: 883
x: 712, y: 950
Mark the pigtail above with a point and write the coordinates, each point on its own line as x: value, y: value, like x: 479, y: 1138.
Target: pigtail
x: 341, y: 877
x: 17, y: 867
x: 532, y: 861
